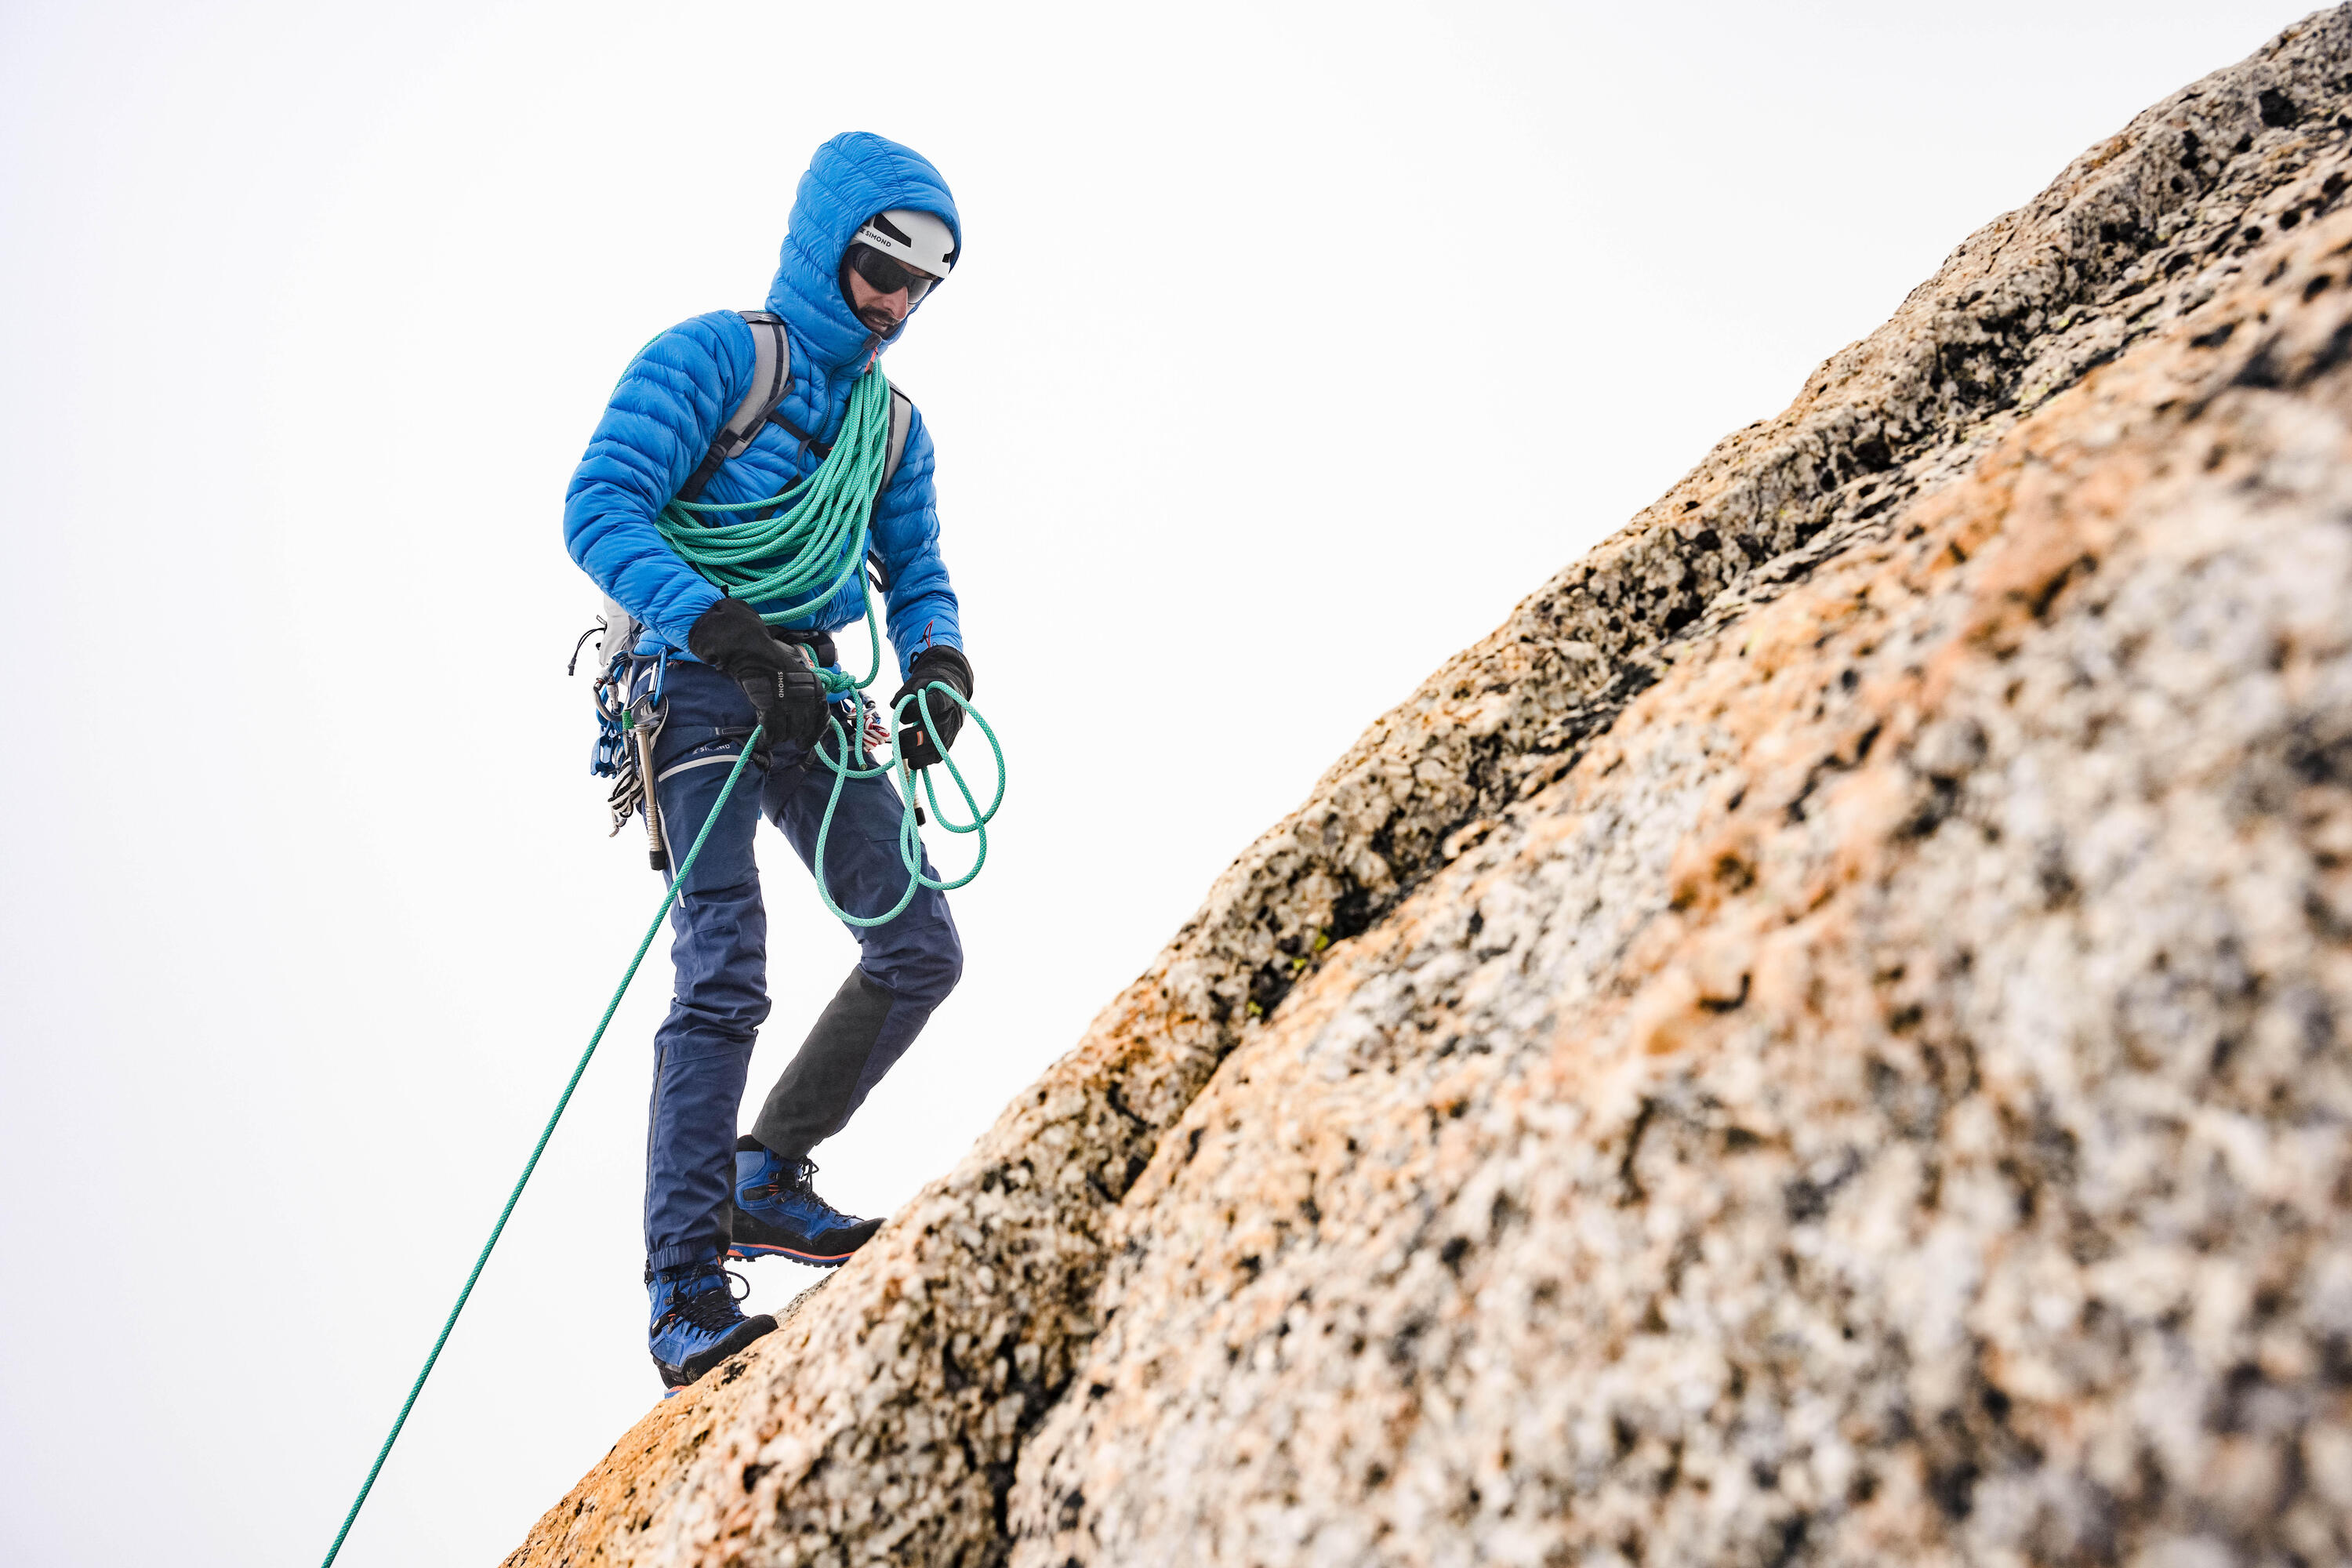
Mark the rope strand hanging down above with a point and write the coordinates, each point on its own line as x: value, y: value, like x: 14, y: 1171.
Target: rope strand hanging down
x: 669, y: 897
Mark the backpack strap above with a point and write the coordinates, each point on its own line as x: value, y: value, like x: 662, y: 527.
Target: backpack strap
x: 809, y: 443
x: 902, y: 420
x: 771, y: 374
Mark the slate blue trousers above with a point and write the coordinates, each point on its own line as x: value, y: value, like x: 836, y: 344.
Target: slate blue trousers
x: 702, y: 1052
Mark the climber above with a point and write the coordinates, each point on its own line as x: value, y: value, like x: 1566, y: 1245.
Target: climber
x: 873, y: 230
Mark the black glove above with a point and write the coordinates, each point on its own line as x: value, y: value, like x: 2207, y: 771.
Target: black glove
x: 785, y: 693
x: 948, y: 667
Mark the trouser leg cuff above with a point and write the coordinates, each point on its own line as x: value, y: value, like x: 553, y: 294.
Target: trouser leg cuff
x: 709, y: 1250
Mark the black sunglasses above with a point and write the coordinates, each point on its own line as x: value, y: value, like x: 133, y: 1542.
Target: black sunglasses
x: 887, y: 273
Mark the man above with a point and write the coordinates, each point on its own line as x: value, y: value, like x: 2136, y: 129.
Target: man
x: 873, y: 229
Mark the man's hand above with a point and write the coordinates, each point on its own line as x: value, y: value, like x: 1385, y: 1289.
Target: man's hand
x: 777, y: 676
x: 950, y: 669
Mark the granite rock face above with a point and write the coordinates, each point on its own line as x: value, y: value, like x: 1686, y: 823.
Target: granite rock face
x: 1827, y: 1038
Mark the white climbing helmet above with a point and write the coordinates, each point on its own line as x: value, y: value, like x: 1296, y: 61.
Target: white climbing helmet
x: 920, y: 240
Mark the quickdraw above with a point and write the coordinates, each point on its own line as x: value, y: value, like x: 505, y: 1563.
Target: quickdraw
x: 628, y: 722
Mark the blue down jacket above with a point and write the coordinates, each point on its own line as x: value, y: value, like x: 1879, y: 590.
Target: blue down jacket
x: 681, y: 386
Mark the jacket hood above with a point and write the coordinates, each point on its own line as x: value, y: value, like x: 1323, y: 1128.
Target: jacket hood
x: 852, y: 177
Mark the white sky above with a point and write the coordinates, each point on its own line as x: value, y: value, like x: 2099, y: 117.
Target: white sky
x: 1292, y: 346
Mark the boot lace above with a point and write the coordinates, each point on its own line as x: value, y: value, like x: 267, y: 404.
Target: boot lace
x: 712, y: 1309
x: 804, y: 1179
x: 791, y: 1176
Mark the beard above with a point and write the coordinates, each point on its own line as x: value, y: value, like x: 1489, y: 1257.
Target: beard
x: 879, y: 321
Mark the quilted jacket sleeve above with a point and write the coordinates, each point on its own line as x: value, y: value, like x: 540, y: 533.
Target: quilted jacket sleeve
x: 920, y: 601
x: 657, y: 427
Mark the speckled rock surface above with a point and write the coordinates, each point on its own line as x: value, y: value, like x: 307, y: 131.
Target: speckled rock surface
x: 1827, y: 1038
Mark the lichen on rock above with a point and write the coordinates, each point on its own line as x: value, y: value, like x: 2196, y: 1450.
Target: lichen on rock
x: 1823, y: 1038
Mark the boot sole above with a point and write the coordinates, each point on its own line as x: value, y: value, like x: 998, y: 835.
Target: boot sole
x: 745, y: 1252
x: 748, y: 1227
x: 678, y: 1378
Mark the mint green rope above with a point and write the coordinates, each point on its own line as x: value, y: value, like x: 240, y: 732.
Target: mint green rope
x: 816, y: 542
x: 669, y: 897
x: 910, y: 841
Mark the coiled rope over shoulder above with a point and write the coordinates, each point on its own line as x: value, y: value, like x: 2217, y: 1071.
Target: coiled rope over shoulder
x: 802, y: 545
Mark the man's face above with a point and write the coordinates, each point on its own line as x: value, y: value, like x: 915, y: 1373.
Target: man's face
x: 881, y: 312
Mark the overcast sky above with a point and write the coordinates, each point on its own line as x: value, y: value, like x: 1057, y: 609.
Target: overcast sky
x: 1292, y: 345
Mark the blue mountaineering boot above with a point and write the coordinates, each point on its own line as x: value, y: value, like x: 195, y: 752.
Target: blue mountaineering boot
x: 695, y: 1325
x: 779, y: 1214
